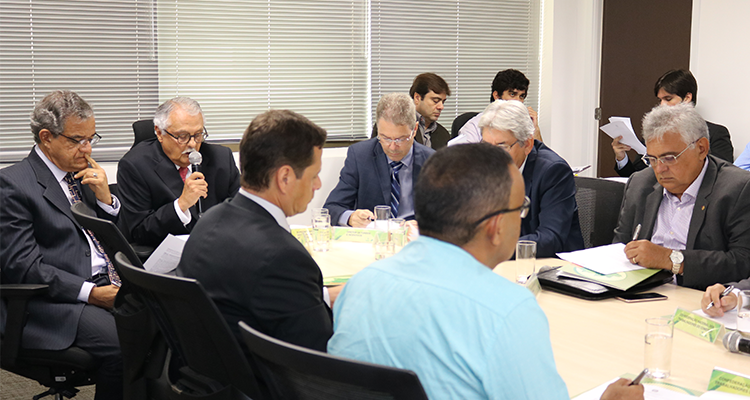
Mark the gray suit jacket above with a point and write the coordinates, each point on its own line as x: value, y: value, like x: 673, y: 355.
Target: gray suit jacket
x: 718, y: 241
x: 41, y: 242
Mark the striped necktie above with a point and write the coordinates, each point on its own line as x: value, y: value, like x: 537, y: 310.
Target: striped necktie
x: 75, y: 196
x: 395, y: 186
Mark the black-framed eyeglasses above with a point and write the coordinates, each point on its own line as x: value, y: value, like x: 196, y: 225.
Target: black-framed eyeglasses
x: 82, y: 142
x: 669, y: 159
x: 185, y: 138
x: 524, y: 209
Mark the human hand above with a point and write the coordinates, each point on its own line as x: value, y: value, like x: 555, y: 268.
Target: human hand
x: 360, y: 218
x: 535, y: 119
x: 195, y: 187
x: 103, y: 296
x: 412, y: 230
x: 96, y: 178
x: 621, y: 390
x: 722, y: 305
x: 648, y: 255
x: 620, y: 149
x: 333, y: 293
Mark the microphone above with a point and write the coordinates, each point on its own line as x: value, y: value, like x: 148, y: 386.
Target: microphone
x: 736, y: 343
x: 196, y: 159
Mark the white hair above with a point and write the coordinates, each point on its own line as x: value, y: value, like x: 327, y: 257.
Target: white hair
x: 681, y: 118
x: 508, y: 115
x: 161, y: 116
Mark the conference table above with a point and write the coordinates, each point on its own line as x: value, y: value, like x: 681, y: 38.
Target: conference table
x: 593, y: 341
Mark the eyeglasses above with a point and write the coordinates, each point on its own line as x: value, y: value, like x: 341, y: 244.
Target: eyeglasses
x: 504, y: 146
x: 82, y: 142
x: 524, y: 208
x: 398, y: 142
x: 669, y: 159
x: 185, y: 138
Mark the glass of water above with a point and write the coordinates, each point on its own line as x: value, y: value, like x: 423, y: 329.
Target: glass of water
x: 658, y: 350
x: 743, y: 313
x: 525, y: 260
x: 321, y: 224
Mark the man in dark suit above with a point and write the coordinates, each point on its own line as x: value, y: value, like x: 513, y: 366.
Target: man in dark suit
x: 672, y: 88
x: 694, y: 209
x: 382, y: 170
x: 42, y: 243
x: 553, y: 217
x: 242, y: 251
x: 160, y: 191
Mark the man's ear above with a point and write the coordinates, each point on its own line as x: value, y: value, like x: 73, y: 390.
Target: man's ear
x: 496, y: 95
x: 703, y: 147
x: 688, y: 98
x: 417, y: 98
x: 158, y: 133
x: 45, y: 136
x: 494, y: 229
x: 283, y: 178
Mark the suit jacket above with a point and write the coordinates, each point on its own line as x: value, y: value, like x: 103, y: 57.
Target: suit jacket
x: 149, y: 183
x: 42, y: 243
x: 553, y: 217
x: 255, y: 271
x: 438, y: 139
x: 365, y: 179
x: 718, y: 241
x: 720, y: 145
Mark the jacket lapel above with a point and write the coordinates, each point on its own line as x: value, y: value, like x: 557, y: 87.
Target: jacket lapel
x: 52, y: 190
x: 382, y: 171
x: 653, y: 201
x: 701, y: 203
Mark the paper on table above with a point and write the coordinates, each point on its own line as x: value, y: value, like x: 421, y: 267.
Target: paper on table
x: 729, y: 319
x: 166, y: 257
x: 620, y: 128
x: 608, y: 259
x: 651, y: 392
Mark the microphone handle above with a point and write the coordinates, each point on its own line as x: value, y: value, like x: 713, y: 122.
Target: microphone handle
x: 743, y: 345
x: 197, y: 168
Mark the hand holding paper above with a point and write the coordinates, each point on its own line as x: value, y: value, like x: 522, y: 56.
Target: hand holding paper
x: 621, y: 126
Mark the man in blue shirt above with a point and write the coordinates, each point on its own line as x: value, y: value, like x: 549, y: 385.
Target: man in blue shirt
x: 437, y: 308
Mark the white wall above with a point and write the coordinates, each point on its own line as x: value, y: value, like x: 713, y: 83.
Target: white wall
x: 720, y: 61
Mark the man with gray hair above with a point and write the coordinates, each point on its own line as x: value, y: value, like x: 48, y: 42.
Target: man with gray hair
x: 382, y: 170
x: 693, y: 208
x: 42, y: 243
x: 553, y: 217
x: 158, y: 186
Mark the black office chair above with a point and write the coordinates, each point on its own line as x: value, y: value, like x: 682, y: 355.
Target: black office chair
x: 305, y: 374
x: 213, y: 366
x: 143, y: 129
x: 144, y: 350
x: 460, y: 121
x: 598, y: 209
x: 61, y: 371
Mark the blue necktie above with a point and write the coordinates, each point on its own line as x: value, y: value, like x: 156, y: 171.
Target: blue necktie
x: 395, y: 186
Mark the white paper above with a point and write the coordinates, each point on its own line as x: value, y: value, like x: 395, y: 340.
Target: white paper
x: 166, y: 257
x: 608, y: 259
x: 729, y: 319
x: 650, y: 392
x: 620, y: 128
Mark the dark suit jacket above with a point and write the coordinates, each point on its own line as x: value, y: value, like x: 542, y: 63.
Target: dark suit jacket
x: 720, y: 145
x: 438, y: 139
x: 553, y: 217
x: 365, y: 179
x: 718, y: 241
x: 41, y: 242
x: 257, y: 272
x: 149, y: 183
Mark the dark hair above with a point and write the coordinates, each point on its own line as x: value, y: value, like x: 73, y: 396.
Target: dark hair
x: 54, y: 109
x: 423, y: 83
x: 509, y: 79
x: 678, y: 82
x: 457, y: 186
x: 274, y: 139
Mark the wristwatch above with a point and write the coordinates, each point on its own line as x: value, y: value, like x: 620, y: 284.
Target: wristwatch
x: 677, y: 258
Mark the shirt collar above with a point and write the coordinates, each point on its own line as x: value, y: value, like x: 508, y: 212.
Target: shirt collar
x: 57, y: 172
x: 427, y: 129
x: 692, y: 190
x: 523, y: 165
x: 276, y: 212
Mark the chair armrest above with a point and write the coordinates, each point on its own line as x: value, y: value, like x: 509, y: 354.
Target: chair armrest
x: 16, y: 298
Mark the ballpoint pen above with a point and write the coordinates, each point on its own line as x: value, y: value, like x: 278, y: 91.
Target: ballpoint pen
x: 638, y: 378
x: 637, y: 232
x: 722, y: 295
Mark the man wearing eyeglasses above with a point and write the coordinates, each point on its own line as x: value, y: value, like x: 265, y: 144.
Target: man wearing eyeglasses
x: 41, y: 242
x: 693, y: 208
x: 382, y: 170
x: 158, y: 186
x: 553, y: 218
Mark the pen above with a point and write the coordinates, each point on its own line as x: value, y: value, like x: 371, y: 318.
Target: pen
x: 723, y: 294
x: 638, y: 378
x: 637, y: 232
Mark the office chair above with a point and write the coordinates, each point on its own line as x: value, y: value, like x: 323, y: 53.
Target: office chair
x: 460, y: 121
x: 301, y: 373
x: 143, y: 129
x: 598, y: 209
x: 213, y: 365
x: 61, y: 371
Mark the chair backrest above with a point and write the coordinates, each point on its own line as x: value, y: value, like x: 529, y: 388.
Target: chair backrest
x: 143, y: 129
x: 309, y: 374
x: 195, y: 331
x: 460, y: 121
x: 107, y: 232
x: 598, y: 209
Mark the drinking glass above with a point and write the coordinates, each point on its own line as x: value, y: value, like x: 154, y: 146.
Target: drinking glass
x: 658, y: 350
x: 525, y: 260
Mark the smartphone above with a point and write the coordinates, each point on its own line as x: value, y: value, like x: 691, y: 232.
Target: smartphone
x: 640, y: 297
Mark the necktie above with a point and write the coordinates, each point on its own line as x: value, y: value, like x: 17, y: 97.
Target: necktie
x: 75, y: 195
x: 183, y: 173
x: 395, y: 186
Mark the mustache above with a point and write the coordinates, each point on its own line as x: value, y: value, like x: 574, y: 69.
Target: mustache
x: 188, y: 151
